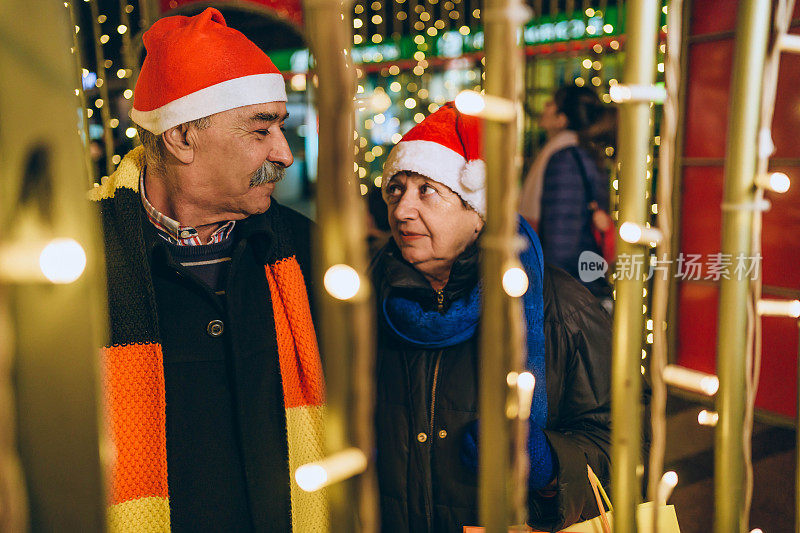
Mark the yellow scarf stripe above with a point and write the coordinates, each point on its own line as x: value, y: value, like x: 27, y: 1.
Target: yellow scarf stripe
x: 143, y: 515
x: 305, y: 429
x: 126, y: 175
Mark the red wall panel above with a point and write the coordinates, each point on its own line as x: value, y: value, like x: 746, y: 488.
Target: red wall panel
x: 707, y: 98
x: 697, y: 324
x: 711, y: 16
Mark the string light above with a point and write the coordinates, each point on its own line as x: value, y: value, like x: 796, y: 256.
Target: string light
x: 121, y: 29
x: 113, y: 122
x: 419, y: 117
x: 665, y: 487
x: 463, y: 30
x: 707, y: 418
x: 357, y: 23
x: 784, y: 308
x: 338, y: 467
x: 587, y: 63
x: 101, y: 19
x: 515, y: 282
x: 127, y: 94
x: 342, y: 281
x: 104, y: 38
x: 775, y: 182
x: 693, y: 380
x: 130, y: 133
x: 59, y: 261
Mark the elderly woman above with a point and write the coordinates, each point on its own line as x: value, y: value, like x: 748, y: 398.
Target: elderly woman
x: 429, y: 304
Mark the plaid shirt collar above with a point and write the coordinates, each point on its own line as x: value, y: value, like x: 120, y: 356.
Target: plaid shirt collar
x: 173, y: 232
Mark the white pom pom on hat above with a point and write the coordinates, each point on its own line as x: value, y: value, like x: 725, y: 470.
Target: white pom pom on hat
x: 446, y: 147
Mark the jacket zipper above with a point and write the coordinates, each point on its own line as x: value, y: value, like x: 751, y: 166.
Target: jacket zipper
x: 433, y: 389
x: 440, y: 300
x: 431, y: 439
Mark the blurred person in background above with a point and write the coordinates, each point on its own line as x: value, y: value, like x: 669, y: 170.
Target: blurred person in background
x: 565, y: 195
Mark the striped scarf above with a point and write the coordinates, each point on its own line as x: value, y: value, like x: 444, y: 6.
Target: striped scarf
x: 133, y: 370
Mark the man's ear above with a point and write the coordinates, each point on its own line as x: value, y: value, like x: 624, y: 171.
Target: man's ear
x: 176, y: 140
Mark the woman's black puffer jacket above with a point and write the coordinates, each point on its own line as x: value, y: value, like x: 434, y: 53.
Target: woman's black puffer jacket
x: 427, y: 398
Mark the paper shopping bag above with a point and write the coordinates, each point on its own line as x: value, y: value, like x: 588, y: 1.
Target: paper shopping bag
x: 667, y: 519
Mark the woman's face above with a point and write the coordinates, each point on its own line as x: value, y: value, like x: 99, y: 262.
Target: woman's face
x: 552, y: 121
x: 429, y: 223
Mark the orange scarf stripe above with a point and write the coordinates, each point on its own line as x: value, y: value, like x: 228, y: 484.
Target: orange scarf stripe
x: 301, y: 369
x: 136, y: 417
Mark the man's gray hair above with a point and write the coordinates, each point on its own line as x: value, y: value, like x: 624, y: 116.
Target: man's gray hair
x: 154, y: 148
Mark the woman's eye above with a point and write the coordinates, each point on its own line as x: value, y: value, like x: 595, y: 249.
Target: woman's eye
x: 427, y: 189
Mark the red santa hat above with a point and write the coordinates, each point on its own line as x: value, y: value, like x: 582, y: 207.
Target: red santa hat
x: 197, y: 66
x: 446, y: 147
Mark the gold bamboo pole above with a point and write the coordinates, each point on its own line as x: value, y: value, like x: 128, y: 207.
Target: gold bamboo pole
x: 634, y: 148
x: 737, y: 224
x: 83, y: 127
x: 49, y: 333
x: 501, y: 477
x: 346, y: 332
x: 102, y: 86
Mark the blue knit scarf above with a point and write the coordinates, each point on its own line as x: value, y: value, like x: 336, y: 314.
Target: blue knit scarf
x: 432, y: 329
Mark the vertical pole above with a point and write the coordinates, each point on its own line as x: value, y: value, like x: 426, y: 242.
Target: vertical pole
x: 634, y: 147
x: 346, y: 332
x: 502, y: 336
x: 737, y: 223
x: 49, y: 334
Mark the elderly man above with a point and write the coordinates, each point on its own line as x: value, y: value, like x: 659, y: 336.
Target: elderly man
x: 212, y: 379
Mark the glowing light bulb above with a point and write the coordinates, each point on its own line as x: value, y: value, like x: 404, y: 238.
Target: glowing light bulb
x: 785, y: 308
x: 775, y: 181
x: 707, y: 418
x: 62, y: 261
x: 526, y: 381
x: 338, y: 467
x: 668, y: 482
x: 692, y: 380
x: 630, y: 232
x: 311, y: 477
x: 342, y: 281
x: 515, y: 282
x: 636, y: 234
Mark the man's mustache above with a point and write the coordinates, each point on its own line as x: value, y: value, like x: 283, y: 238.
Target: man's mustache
x: 269, y: 172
